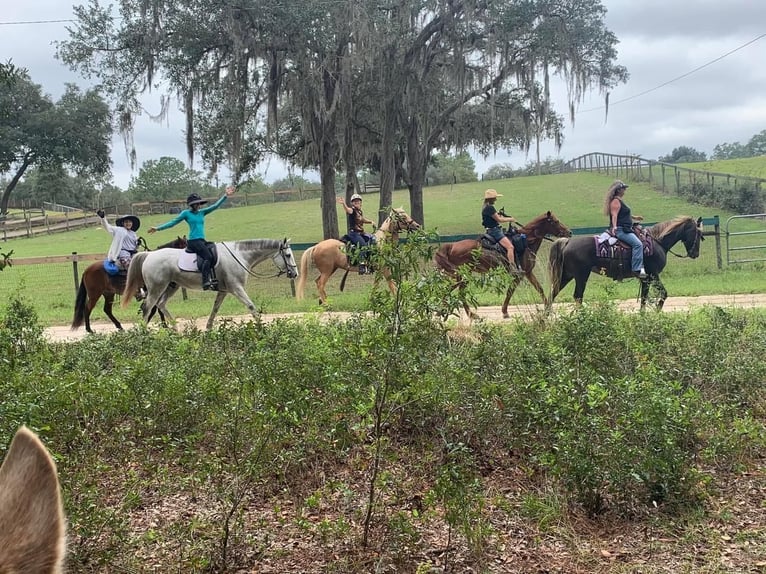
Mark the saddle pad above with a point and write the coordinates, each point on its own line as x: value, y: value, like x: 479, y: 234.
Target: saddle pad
x: 111, y: 268
x: 618, y: 249
x: 188, y: 262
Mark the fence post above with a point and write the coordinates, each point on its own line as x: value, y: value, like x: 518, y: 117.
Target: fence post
x: 74, y: 269
x: 717, y: 228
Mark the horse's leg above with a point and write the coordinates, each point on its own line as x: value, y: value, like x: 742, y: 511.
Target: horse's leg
x: 321, y: 281
x: 108, y: 303
x: 511, y: 288
x: 239, y: 293
x: 663, y: 294
x: 89, y: 306
x: 581, y: 281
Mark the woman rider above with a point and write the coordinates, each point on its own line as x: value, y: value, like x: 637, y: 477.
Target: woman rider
x: 492, y: 220
x: 195, y: 218
x: 621, y: 225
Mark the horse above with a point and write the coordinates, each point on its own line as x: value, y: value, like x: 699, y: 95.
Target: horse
x: 576, y: 258
x: 161, y: 273
x: 451, y: 256
x: 32, y: 524
x: 96, y: 282
x: 328, y: 256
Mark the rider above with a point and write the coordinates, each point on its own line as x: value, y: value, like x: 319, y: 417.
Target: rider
x: 492, y: 220
x: 195, y: 218
x: 356, y: 234
x: 124, y: 242
x: 621, y: 225
x: 124, y: 239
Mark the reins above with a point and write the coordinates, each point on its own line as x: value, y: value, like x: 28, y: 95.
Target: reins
x: 258, y: 275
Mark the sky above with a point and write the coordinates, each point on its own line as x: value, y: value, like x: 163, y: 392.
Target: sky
x: 697, y: 78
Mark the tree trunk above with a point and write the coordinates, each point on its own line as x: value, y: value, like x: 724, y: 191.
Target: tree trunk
x: 12, y: 185
x: 387, y: 171
x: 327, y: 173
x: 416, y: 169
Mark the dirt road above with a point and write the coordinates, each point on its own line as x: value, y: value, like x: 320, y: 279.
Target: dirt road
x: 63, y: 333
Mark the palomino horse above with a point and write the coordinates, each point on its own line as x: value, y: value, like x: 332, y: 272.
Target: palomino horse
x: 161, y: 273
x: 577, y: 257
x: 450, y: 256
x: 32, y: 528
x: 328, y: 256
x: 96, y: 282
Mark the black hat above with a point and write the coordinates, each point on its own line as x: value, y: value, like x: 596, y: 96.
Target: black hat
x: 136, y: 221
x: 194, y: 199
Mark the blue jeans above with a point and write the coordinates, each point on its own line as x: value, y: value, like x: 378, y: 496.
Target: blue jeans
x: 637, y: 259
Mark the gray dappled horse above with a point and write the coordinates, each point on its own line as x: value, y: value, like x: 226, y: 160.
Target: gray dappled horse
x: 577, y: 258
x: 162, y: 275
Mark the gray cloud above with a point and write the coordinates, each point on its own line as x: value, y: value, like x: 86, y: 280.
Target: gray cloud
x: 659, y: 40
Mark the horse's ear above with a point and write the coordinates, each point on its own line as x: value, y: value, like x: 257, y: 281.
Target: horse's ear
x: 699, y: 221
x: 548, y: 215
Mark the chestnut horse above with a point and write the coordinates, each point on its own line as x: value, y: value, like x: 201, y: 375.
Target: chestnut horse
x: 96, y: 282
x: 450, y: 256
x: 328, y: 256
x: 32, y: 525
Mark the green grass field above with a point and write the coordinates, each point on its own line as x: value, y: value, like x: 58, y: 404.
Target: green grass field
x: 750, y: 166
x: 577, y: 199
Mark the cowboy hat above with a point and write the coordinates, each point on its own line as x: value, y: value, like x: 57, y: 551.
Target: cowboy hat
x: 194, y: 199
x: 136, y: 221
x: 491, y: 194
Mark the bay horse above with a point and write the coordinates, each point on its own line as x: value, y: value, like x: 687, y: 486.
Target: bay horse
x: 32, y: 524
x: 96, y: 282
x: 451, y: 256
x: 161, y: 273
x: 576, y: 258
x: 329, y: 255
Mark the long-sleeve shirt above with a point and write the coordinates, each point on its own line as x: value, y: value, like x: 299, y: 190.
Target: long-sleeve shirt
x: 124, y: 241
x: 195, y: 219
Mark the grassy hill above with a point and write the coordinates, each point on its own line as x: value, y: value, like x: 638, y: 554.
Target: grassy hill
x: 749, y: 166
x: 577, y: 199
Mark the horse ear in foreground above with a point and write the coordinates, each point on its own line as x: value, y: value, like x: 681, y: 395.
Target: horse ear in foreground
x: 451, y: 256
x: 328, y: 256
x: 577, y: 257
x: 32, y: 527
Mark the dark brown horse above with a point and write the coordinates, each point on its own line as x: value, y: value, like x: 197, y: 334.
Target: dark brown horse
x: 576, y: 258
x: 96, y: 282
x: 328, y: 256
x: 451, y: 256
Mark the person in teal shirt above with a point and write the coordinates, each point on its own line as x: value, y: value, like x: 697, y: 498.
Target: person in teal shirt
x: 195, y: 218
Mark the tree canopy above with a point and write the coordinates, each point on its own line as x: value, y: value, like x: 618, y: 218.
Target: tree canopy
x: 684, y: 154
x: 349, y: 84
x: 74, y: 133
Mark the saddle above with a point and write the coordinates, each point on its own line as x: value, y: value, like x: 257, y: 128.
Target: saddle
x: 518, y: 240
x: 354, y: 253
x: 187, y: 261
x: 615, y: 255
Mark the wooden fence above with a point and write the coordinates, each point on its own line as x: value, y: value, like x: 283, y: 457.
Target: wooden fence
x: 666, y: 176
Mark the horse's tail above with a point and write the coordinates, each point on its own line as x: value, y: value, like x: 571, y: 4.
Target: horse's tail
x: 343, y: 280
x: 556, y: 266
x: 135, y: 278
x: 303, y: 273
x: 79, y: 306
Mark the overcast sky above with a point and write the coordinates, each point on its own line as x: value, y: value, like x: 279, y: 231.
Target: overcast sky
x: 668, y: 101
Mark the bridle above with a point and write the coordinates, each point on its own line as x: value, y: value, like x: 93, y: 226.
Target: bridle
x: 283, y: 247
x: 698, y: 239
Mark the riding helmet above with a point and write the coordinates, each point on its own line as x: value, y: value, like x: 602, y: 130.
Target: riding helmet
x: 356, y: 196
x: 136, y: 221
x: 195, y: 199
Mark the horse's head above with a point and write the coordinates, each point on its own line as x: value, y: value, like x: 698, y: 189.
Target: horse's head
x: 284, y: 259
x: 692, y: 237
x: 546, y: 224
x: 401, y: 221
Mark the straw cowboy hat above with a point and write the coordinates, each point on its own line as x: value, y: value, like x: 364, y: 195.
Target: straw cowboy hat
x: 136, y: 221
x: 491, y: 194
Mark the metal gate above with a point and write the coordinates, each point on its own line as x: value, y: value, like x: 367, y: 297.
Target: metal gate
x: 735, y: 241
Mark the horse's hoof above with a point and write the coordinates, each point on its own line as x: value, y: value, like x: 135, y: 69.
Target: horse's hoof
x: 506, y: 316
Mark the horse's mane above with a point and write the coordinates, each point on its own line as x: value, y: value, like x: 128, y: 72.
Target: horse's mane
x: 536, y: 221
x: 255, y: 244
x: 664, y: 228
